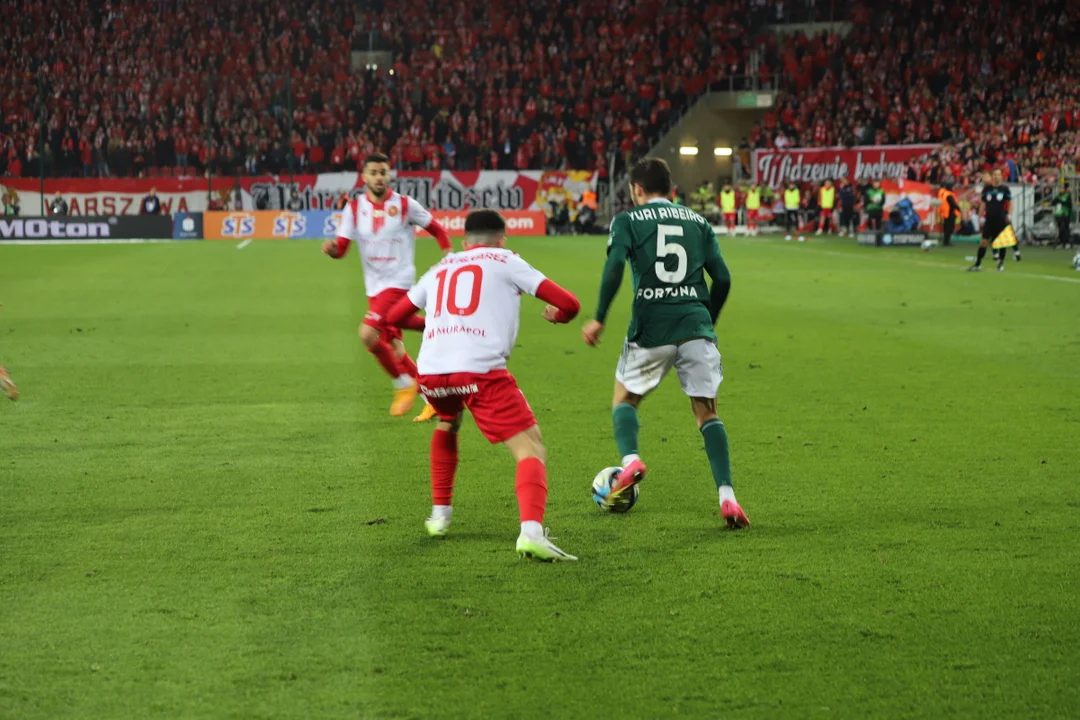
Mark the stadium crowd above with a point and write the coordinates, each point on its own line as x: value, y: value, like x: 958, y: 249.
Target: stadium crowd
x: 130, y: 86
x: 996, y: 89
x: 158, y: 86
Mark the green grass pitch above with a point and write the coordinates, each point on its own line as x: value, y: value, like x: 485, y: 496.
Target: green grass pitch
x: 205, y: 511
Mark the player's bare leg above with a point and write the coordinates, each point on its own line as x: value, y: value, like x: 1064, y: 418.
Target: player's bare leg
x: 7, y: 385
x: 405, y: 388
x: 530, y: 485
x: 716, y: 448
x: 625, y: 421
x: 444, y: 460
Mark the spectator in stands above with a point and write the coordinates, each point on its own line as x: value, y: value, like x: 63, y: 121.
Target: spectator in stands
x: 10, y: 205
x: 58, y: 205
x: 151, y: 205
x: 946, y: 71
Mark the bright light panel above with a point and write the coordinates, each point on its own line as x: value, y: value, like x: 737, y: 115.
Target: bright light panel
x: 688, y: 150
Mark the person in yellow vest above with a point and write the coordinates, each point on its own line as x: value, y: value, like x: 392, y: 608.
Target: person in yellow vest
x: 728, y: 208
x: 792, y: 200
x: 711, y: 200
x: 753, y: 208
x: 949, y: 209
x: 699, y: 199
x: 827, y: 201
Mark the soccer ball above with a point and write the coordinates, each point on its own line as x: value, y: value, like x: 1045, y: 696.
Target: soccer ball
x: 601, y: 486
x: 1076, y: 262
x: 926, y: 245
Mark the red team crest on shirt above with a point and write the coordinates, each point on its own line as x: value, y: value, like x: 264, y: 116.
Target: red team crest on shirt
x: 393, y: 211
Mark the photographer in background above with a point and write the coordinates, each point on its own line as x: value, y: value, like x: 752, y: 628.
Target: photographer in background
x: 294, y: 204
x: 874, y: 204
x: 58, y: 205
x: 1063, y: 212
x: 151, y: 205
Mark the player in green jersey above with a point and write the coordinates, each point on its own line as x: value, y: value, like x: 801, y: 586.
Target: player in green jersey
x: 670, y: 249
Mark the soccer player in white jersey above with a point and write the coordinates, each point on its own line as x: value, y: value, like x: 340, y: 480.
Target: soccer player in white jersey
x: 382, y: 223
x: 472, y: 301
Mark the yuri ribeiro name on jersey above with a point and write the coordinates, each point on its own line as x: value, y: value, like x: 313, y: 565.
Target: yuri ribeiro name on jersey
x: 665, y: 212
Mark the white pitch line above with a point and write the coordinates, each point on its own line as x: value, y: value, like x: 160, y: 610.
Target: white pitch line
x: 948, y: 266
x: 244, y: 244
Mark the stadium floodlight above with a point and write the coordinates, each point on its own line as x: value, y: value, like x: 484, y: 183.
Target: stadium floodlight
x: 688, y: 150
x: 722, y: 151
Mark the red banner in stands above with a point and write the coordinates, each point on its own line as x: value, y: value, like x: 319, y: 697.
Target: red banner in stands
x: 775, y: 168
x: 518, y: 222
x: 526, y: 190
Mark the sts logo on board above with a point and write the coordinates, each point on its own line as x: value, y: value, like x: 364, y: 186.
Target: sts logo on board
x: 238, y: 225
x: 330, y: 227
x: 289, y: 225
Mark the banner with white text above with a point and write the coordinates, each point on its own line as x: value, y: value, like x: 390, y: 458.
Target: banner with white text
x: 775, y: 168
x: 527, y: 190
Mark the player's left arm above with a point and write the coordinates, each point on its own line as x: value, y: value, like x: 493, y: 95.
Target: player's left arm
x: 719, y: 273
x: 422, y: 218
x: 617, y: 252
x: 562, y: 305
x: 1008, y: 203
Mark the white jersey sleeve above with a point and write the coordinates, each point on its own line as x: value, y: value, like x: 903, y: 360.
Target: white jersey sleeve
x: 524, y: 276
x: 418, y: 293
x: 416, y: 213
x: 347, y: 226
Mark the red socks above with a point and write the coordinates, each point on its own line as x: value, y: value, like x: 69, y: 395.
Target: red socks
x: 386, y: 357
x: 408, y: 366
x: 444, y: 459
x: 530, y: 484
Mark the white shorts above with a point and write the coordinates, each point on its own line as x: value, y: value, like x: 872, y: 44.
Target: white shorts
x: 697, y: 363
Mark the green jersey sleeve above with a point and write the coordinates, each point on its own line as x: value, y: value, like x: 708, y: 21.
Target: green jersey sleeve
x: 718, y: 272
x: 618, y: 250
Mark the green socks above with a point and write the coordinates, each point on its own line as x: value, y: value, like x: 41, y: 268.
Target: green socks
x: 624, y: 418
x: 716, y: 448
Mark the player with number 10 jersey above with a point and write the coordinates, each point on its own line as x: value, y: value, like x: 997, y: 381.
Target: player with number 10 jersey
x: 472, y: 301
x: 670, y: 249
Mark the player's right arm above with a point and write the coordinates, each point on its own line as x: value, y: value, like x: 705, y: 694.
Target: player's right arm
x: 718, y: 272
x: 411, y: 303
x: 346, y: 232
x: 617, y: 251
